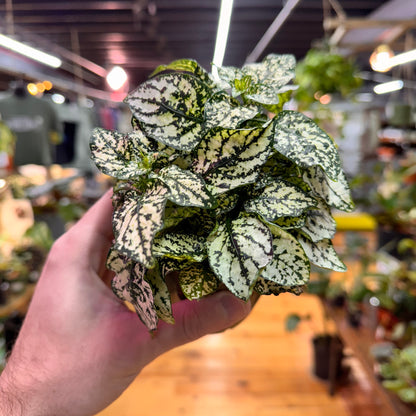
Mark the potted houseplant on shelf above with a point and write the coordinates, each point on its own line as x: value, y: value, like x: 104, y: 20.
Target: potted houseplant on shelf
x: 326, y: 345
x: 218, y: 186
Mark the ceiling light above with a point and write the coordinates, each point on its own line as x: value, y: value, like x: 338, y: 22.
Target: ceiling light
x: 116, y: 78
x: 30, y: 52
x: 380, y: 58
x: 222, y: 35
x: 389, y: 86
x: 403, y: 58
x: 58, y: 98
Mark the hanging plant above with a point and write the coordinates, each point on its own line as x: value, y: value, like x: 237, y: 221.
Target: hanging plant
x: 211, y: 187
x: 324, y: 72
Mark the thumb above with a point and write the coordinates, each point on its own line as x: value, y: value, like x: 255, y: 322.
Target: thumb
x: 194, y: 319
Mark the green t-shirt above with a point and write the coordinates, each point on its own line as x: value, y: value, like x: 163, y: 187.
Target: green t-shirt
x: 32, y: 120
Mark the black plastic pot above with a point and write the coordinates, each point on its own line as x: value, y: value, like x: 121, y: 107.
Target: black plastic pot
x: 328, y: 351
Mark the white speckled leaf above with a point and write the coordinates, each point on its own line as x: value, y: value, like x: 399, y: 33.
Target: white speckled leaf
x: 180, y: 246
x: 236, y: 252
x: 185, y: 65
x: 261, y: 82
x: 170, y: 109
x: 231, y: 158
x: 290, y: 265
x: 335, y: 193
x: 322, y: 253
x: 280, y: 199
x: 161, y: 296
x: 224, y: 111
x: 136, y: 220
x: 118, y: 155
x: 267, y: 287
x: 301, y: 140
x: 319, y: 224
x: 186, y: 188
x: 129, y: 285
x: 174, y: 214
x: 197, y: 280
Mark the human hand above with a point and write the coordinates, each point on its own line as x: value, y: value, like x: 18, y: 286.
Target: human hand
x: 80, y: 347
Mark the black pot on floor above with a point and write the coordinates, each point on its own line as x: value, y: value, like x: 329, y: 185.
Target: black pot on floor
x: 327, y: 348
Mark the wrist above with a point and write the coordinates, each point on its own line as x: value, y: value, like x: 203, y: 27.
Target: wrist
x: 10, y: 403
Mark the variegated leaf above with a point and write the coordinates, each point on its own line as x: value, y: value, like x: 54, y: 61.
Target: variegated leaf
x: 185, y: 65
x: 281, y: 199
x: 186, y: 188
x: 174, y: 214
x: 116, y: 261
x: 335, y: 193
x: 197, y: 280
x: 290, y: 265
x: 225, y: 203
x: 224, y: 111
x: 267, y: 287
x: 322, y: 253
x: 161, y: 296
x: 180, y: 246
x: 236, y: 252
x: 130, y: 286
x: 136, y: 221
x: 319, y: 224
x: 118, y: 155
x: 288, y: 223
x: 301, y: 140
x: 232, y: 158
x: 170, y: 109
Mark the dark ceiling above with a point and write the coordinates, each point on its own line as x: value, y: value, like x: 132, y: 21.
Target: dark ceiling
x: 141, y: 34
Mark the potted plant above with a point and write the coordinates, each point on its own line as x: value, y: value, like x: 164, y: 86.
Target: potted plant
x: 218, y: 185
x: 325, y: 344
x: 399, y: 374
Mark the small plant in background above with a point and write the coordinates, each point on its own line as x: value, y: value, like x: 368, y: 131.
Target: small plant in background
x: 220, y: 186
x: 399, y: 373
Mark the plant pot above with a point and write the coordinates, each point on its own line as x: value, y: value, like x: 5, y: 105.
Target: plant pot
x: 325, y: 349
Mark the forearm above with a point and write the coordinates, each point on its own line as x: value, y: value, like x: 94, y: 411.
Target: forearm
x: 10, y: 403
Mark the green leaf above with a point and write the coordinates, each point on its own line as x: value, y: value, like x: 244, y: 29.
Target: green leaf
x: 184, y: 65
x: 231, y: 158
x: 267, y: 287
x: 136, y: 220
x: 226, y: 112
x: 129, y: 286
x: 186, y: 188
x: 300, y: 139
x: 225, y: 203
x: 335, y: 193
x: 170, y: 109
x: 319, y: 224
x: 290, y: 265
x: 288, y: 223
x: 280, y: 199
x: 118, y: 155
x: 236, y: 252
x: 197, y: 280
x: 408, y: 395
x: 161, y: 296
x: 292, y: 321
x: 180, y: 246
x: 322, y: 254
x: 174, y: 214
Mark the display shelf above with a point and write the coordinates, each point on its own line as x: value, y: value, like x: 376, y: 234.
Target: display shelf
x: 359, y: 341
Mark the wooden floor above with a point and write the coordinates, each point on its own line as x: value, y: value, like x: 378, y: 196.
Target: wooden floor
x: 255, y: 369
